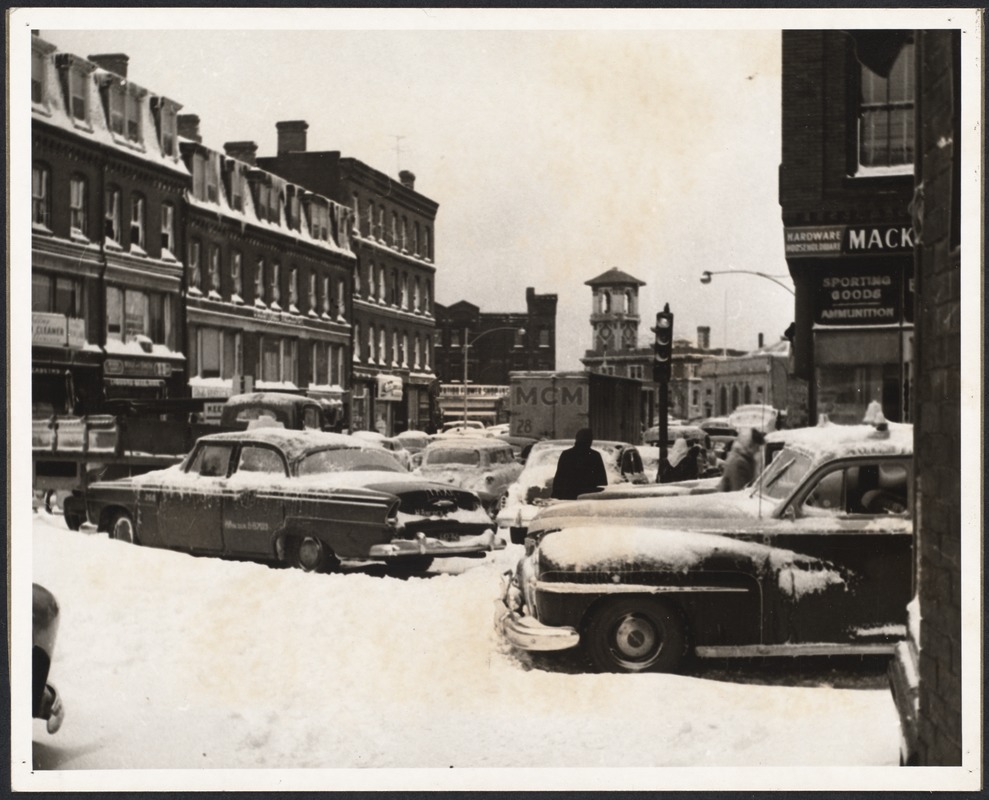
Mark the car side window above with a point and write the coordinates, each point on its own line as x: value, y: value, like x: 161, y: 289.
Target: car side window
x: 310, y: 418
x: 211, y: 461
x: 873, y: 489
x: 260, y: 459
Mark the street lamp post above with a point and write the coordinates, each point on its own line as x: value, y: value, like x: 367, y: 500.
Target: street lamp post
x: 706, y: 278
x: 468, y: 343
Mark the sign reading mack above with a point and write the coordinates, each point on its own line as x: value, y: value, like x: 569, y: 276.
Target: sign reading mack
x: 848, y: 240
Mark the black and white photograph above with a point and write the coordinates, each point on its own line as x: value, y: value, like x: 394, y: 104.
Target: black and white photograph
x: 450, y: 399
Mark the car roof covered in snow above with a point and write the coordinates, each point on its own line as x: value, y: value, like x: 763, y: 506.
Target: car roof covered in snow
x: 293, y: 443
x: 467, y: 442
x: 830, y: 440
x: 268, y: 399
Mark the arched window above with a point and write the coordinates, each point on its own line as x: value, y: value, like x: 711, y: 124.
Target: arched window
x: 747, y: 394
x: 382, y: 347
x: 371, y: 345
x: 734, y: 397
x: 723, y: 401
x: 370, y: 281
x: 357, y: 343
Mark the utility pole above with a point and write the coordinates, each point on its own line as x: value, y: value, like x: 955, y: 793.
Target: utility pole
x: 662, y: 372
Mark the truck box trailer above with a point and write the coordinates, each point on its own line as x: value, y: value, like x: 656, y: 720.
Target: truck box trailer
x: 555, y: 405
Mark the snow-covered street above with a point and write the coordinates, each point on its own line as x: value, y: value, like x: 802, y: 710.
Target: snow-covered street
x: 167, y: 661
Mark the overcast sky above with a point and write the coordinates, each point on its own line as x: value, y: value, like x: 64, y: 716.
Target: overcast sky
x: 554, y: 155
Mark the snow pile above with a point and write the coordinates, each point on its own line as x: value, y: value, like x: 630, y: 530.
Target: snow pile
x: 167, y: 661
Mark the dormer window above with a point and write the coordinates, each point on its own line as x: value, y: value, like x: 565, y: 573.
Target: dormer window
x: 213, y: 178
x: 75, y: 74
x: 166, y: 116
x: 78, y: 96
x: 124, y: 103
x: 40, y: 59
x: 292, y: 214
x: 319, y: 221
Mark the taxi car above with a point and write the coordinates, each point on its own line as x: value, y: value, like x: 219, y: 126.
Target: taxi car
x: 534, y: 486
x: 486, y: 466
x: 45, y: 701
x: 304, y: 498
x: 814, y: 558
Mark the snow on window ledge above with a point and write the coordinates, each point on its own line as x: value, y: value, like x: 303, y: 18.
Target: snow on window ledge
x: 882, y: 172
x: 37, y: 227
x: 137, y: 250
x: 166, y: 255
x: 79, y: 237
x: 111, y: 244
x: 194, y: 291
x: 237, y: 300
x: 214, y: 295
x: 259, y: 303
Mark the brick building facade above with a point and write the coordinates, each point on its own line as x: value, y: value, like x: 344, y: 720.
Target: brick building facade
x: 845, y: 184
x: 107, y: 188
x: 393, y: 238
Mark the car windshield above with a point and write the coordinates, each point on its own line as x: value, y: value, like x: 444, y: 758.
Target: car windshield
x: 347, y: 459
x: 783, y: 475
x: 453, y: 455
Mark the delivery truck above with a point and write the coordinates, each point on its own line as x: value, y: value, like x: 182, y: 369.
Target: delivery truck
x: 555, y: 405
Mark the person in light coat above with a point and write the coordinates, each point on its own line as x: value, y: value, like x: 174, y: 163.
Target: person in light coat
x: 741, y: 465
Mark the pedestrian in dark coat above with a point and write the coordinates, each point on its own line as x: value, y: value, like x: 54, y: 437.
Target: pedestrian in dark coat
x: 740, y: 468
x: 580, y: 469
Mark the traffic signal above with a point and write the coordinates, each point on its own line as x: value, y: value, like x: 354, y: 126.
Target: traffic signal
x: 662, y: 368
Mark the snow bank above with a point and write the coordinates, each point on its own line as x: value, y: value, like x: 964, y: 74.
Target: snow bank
x: 170, y: 662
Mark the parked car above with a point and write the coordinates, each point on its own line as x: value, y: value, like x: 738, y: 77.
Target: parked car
x: 45, y: 701
x: 389, y: 443
x: 413, y: 441
x: 485, y: 466
x: 303, y: 498
x: 534, y: 486
x: 472, y: 425
x: 814, y: 558
x: 289, y: 410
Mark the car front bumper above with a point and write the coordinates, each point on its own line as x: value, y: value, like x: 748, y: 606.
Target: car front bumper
x: 525, y: 632
x: 476, y: 545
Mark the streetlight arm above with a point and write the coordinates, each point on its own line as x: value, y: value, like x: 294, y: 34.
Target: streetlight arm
x: 706, y: 276
x: 468, y: 343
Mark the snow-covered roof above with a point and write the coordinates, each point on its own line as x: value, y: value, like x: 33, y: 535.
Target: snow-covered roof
x: 93, y: 125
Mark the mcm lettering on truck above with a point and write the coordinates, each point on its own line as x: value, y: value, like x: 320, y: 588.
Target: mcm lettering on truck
x: 555, y: 405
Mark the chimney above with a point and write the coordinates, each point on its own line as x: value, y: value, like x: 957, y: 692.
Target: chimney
x: 242, y: 151
x: 761, y: 343
x: 292, y: 136
x: 112, y: 62
x: 704, y: 337
x: 407, y: 178
x: 189, y: 127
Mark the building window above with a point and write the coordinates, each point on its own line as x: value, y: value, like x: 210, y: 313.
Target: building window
x: 381, y: 225
x: 313, y: 296
x: 356, y: 356
x: 319, y: 221
x: 274, y: 286
x: 78, y: 200
x: 341, y: 300
x: 326, y: 297
x: 195, y: 267
x: 356, y: 205
x: 382, y: 347
x: 219, y: 353
x: 214, y: 271
x: 635, y: 371
x: 426, y: 303
x: 427, y: 355
x: 38, y: 66
x: 167, y: 127
x: 405, y: 292
x: 293, y: 290
x: 111, y: 225
x: 137, y: 223
x: 237, y: 277
x: 320, y: 363
x: 371, y: 355
x: 454, y: 338
x: 278, y: 360
x: 167, y: 230
x: 427, y: 245
x: 886, y: 117
x: 381, y: 285
x: 125, y: 111
x: 56, y: 295
x: 133, y: 313
x: 41, y: 196
x: 213, y: 178
x: 78, y: 95
x: 544, y: 337
x: 396, y: 356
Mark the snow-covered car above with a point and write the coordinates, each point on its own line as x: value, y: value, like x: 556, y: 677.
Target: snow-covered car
x: 413, y: 441
x: 485, y: 466
x: 304, y: 498
x: 642, y: 582
x: 532, y: 490
x: 392, y: 444
x: 45, y: 701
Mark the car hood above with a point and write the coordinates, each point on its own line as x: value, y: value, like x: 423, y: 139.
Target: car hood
x: 598, y: 549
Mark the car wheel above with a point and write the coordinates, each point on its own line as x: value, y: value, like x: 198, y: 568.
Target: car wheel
x: 122, y: 528
x: 73, y: 522
x: 311, y: 555
x: 636, y: 634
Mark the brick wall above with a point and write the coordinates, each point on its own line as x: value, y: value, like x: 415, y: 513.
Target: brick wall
x: 938, y: 435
